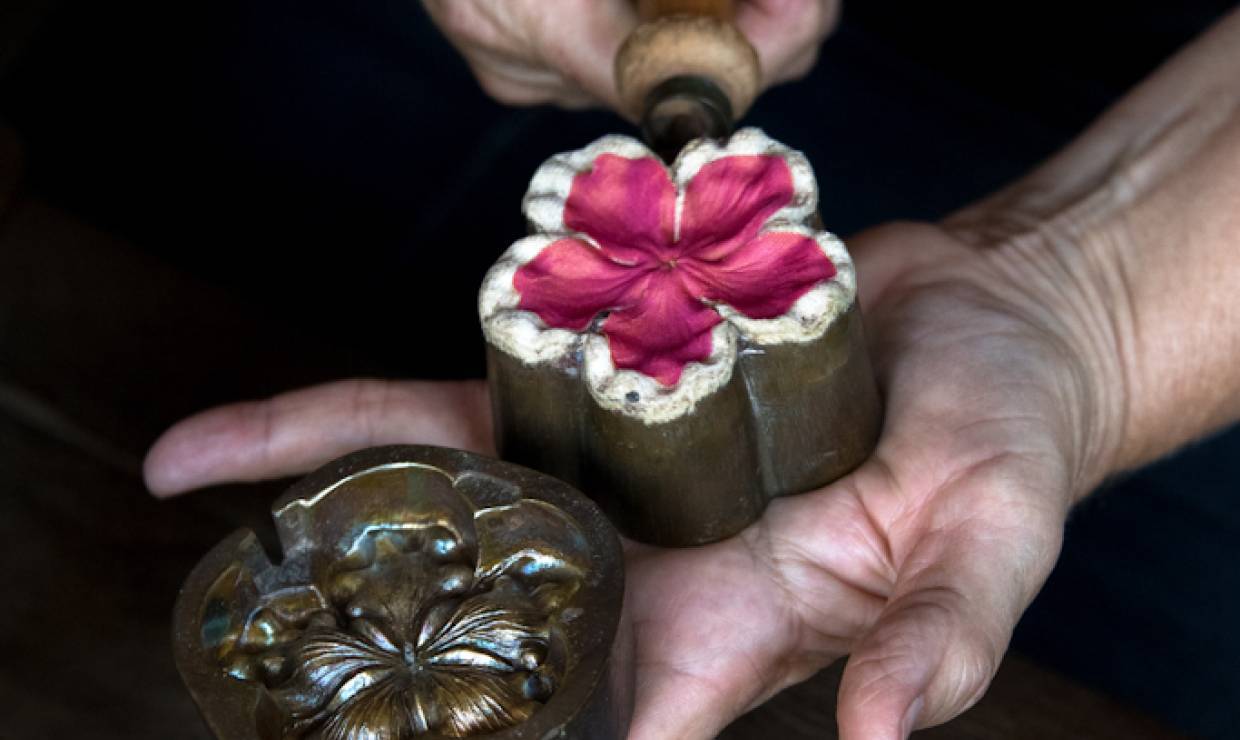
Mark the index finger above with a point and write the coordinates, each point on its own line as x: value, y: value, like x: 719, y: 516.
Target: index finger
x: 297, y: 431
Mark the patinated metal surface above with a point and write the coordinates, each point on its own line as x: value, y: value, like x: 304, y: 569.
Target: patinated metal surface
x: 792, y: 418
x: 598, y: 370
x: 422, y: 592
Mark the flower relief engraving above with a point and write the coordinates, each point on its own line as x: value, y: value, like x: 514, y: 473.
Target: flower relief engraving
x: 437, y: 622
x: 647, y: 277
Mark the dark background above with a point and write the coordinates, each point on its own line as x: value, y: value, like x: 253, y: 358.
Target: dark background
x: 334, y: 163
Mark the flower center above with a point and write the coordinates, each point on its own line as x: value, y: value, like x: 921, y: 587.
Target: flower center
x: 668, y: 264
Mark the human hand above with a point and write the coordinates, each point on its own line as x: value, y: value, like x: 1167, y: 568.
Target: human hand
x: 918, y: 565
x: 528, y: 52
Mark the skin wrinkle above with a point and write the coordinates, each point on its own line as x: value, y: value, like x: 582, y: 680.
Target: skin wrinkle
x: 1004, y: 507
x: 690, y: 678
x: 707, y: 681
x: 878, y: 465
x: 764, y: 678
x: 911, y: 498
x: 1114, y: 305
x: 513, y: 85
x: 885, y: 553
x: 363, y: 411
x: 266, y: 414
x: 1095, y: 325
x: 949, y: 403
x: 1125, y: 330
x: 1050, y: 401
x: 1030, y: 420
x: 901, y: 660
x: 775, y: 556
x: 927, y: 533
x: 1035, y: 561
x: 876, y: 568
x: 1084, y: 331
x: 945, y: 288
x: 807, y: 659
x: 975, y: 649
x: 1089, y: 448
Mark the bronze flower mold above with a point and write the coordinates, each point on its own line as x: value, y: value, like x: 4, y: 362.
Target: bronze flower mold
x: 680, y: 341
x: 422, y: 593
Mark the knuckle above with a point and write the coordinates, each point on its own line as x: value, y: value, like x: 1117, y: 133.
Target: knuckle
x: 930, y: 646
x: 897, y: 664
x: 801, y: 65
x: 455, y: 18
x: 962, y: 680
x: 368, y: 406
x: 828, y: 17
x: 504, y: 91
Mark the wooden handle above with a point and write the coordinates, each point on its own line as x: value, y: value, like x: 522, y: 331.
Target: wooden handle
x: 687, y: 38
x: 649, y: 10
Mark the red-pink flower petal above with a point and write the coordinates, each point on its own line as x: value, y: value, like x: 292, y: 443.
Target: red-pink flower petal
x: 763, y: 278
x: 626, y: 205
x: 570, y: 282
x: 656, y: 289
x: 664, y: 331
x: 728, y: 200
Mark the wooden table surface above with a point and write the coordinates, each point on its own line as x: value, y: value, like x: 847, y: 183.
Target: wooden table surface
x: 100, y: 348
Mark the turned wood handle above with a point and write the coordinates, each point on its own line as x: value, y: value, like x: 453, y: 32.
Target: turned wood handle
x: 649, y: 10
x: 687, y: 38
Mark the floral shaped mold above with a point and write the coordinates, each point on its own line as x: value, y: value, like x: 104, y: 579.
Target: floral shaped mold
x: 423, y: 592
x: 407, y: 640
x: 651, y: 279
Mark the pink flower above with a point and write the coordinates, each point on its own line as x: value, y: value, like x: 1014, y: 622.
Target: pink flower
x: 657, y: 260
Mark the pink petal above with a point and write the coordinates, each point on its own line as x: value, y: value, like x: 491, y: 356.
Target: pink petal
x: 626, y: 205
x: 764, y: 277
x: 569, y: 282
x: 729, y: 200
x: 665, y: 329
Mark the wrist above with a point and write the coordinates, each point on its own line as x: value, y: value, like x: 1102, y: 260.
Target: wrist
x: 1070, y: 285
x: 1124, y: 245
x: 1136, y: 279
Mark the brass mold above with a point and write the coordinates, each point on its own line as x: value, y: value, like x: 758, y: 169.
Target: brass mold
x: 423, y: 592
x: 791, y: 418
x: 754, y: 399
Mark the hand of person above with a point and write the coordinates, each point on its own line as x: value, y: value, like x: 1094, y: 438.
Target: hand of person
x: 527, y: 52
x: 917, y: 565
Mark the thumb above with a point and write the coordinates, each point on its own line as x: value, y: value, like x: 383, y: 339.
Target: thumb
x: 529, y: 52
x: 786, y: 34
x: 581, y: 44
x: 938, y: 642
x: 926, y: 660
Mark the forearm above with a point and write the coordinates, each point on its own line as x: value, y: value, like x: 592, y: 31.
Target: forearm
x: 1133, y: 234
x: 1184, y: 363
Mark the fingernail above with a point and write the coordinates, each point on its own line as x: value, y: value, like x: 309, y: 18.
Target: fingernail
x: 910, y: 716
